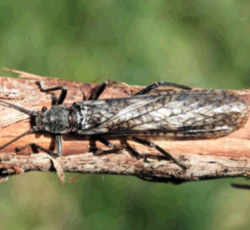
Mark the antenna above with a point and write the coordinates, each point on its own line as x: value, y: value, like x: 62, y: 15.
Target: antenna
x: 23, y: 110
x: 16, y: 107
x: 17, y: 138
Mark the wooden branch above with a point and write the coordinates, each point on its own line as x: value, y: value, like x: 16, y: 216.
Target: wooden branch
x: 206, y: 159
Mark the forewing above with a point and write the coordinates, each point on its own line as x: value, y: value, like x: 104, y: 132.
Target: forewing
x: 198, y: 114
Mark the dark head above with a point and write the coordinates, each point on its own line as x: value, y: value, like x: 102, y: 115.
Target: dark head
x: 54, y: 120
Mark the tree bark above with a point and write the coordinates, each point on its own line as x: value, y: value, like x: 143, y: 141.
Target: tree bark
x: 206, y: 159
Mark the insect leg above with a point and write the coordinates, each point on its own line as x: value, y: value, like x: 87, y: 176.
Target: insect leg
x: 128, y: 147
x: 98, y: 91
x: 157, y: 84
x: 106, y: 142
x: 114, y: 148
x: 37, y: 147
x: 55, y: 101
x: 161, y: 150
x: 17, y: 138
x: 92, y: 145
x: 59, y: 145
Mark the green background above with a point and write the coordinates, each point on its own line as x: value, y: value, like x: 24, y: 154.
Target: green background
x: 198, y: 43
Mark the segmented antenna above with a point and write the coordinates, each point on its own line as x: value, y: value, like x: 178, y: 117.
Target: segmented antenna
x: 19, y: 108
x: 23, y: 110
x: 16, y: 138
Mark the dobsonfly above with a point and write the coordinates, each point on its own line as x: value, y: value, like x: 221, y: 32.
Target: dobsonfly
x: 180, y: 114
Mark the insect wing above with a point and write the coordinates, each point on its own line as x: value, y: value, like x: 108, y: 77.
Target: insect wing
x: 182, y: 114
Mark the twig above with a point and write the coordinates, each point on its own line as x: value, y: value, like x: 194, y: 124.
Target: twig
x: 207, y: 159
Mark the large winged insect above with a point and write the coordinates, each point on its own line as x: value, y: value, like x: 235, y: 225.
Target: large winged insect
x: 171, y: 114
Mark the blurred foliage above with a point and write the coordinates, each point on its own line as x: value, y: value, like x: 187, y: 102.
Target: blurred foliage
x: 199, y: 43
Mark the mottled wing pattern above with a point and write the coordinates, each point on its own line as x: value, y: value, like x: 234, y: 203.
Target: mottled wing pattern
x: 96, y: 112
x: 183, y: 114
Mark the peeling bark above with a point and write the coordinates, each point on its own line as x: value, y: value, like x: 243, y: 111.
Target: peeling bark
x: 206, y: 159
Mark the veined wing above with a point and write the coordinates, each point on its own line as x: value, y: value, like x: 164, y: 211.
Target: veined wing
x: 184, y: 114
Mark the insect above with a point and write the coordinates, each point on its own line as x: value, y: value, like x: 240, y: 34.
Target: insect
x: 185, y: 113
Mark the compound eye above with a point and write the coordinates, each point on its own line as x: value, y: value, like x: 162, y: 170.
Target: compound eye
x: 44, y: 109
